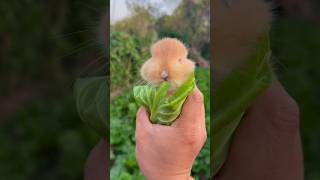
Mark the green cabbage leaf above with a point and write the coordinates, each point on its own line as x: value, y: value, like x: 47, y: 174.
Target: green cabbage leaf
x: 163, y: 108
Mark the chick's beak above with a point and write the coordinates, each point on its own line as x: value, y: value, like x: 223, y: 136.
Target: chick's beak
x: 164, y: 75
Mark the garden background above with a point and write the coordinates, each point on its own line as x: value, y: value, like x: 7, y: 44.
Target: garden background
x: 130, y: 42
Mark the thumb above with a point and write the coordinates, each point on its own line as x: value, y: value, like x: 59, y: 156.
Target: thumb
x: 192, y: 111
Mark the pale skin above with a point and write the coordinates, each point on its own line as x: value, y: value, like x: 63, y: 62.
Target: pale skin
x: 168, y: 152
x: 266, y: 144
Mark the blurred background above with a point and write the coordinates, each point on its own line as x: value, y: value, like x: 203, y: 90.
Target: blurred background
x: 44, y: 47
x: 296, y: 43
x: 135, y: 26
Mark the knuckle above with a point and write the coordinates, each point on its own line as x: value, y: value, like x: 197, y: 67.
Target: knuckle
x: 287, y: 116
x: 295, y: 108
x: 190, y: 139
x: 205, y: 136
x: 199, y: 97
x: 194, y: 137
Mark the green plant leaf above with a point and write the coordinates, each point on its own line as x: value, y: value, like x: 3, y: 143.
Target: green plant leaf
x: 232, y: 98
x: 91, y: 96
x: 163, y: 109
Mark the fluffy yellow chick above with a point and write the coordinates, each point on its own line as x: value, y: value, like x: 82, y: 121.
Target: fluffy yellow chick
x: 168, y: 62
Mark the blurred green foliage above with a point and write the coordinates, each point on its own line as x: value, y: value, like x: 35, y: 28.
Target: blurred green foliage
x: 296, y: 45
x: 127, y: 53
x: 36, y: 43
x: 46, y: 140
x: 44, y: 47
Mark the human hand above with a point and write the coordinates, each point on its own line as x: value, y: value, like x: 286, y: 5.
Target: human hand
x: 97, y: 164
x: 168, y: 152
x: 267, y: 145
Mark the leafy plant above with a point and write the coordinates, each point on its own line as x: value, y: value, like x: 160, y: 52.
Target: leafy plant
x: 163, y: 109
